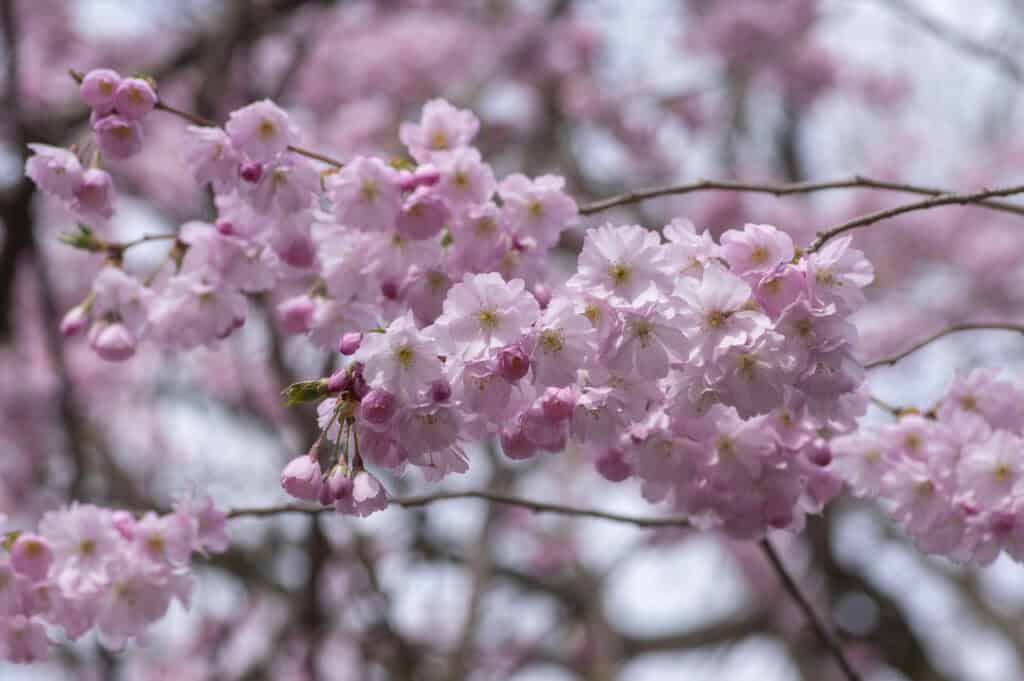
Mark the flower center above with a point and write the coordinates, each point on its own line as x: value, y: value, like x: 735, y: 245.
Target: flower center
x: 716, y: 318
x: 267, y: 130
x: 748, y: 363
x: 369, y: 191
x: 551, y: 341
x: 438, y: 140
x: 1003, y: 471
x: 620, y: 273
x: 405, y: 356
x: 488, y: 318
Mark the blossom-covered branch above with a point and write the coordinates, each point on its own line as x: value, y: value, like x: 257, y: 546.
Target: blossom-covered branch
x: 201, y: 121
x: 955, y: 328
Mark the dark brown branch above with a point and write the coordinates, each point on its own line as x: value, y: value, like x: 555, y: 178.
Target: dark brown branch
x: 426, y: 499
x: 817, y: 624
x: 955, y: 328
x: 784, y: 189
x: 942, y: 200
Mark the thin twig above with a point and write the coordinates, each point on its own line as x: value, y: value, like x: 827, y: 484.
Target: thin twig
x: 426, y: 499
x: 942, y: 200
x: 785, y: 189
x: 820, y: 629
x: 955, y: 328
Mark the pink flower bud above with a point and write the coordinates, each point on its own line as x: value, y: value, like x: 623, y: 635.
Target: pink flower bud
x: 225, y: 227
x: 296, y: 249
x: 112, y: 342
x: 337, y: 485
x: 542, y: 294
x: 440, y: 390
x: 378, y: 406
x: 339, y: 381
x: 302, y: 477
x: 516, y: 445
x: 117, y: 136
x: 819, y: 453
x: 74, y: 321
x: 350, y: 342
x: 612, y: 466
x: 296, y: 314
x: 513, y: 363
x: 134, y: 98
x: 31, y: 556
x: 424, y: 176
x: 423, y: 217
x: 98, y: 88
x: 124, y: 523
x: 558, y: 404
x: 389, y: 289
x: 367, y: 496
x: 251, y: 171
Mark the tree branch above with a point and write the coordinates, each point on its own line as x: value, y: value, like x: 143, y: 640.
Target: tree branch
x: 820, y: 630
x: 784, y: 189
x: 955, y: 328
x: 942, y: 200
x: 492, y: 497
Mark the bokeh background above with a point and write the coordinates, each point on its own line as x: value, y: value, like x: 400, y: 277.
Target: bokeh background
x: 614, y: 95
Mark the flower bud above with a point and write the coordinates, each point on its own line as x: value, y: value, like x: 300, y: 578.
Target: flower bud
x: 558, y: 403
x: 378, y: 406
x: 516, y: 445
x: 513, y: 363
x: 134, y: 98
x: 440, y: 390
x: 350, y: 342
x: 31, y: 556
x: 113, y: 342
x: 225, y: 227
x: 423, y: 217
x: 74, y: 321
x: 389, y: 289
x: 302, y: 477
x: 117, y: 136
x: 98, y: 88
x: 251, y: 171
x: 542, y: 294
x: 337, y: 485
x: 612, y: 465
x: 296, y: 314
x: 339, y: 381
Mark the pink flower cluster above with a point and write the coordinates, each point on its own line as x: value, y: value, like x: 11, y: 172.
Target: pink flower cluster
x: 711, y: 372
x: 118, y: 107
x: 953, y: 479
x: 91, y: 568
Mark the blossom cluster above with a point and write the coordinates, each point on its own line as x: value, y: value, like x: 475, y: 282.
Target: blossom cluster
x: 709, y: 371
x: 953, y: 479
x: 91, y: 568
x: 712, y: 372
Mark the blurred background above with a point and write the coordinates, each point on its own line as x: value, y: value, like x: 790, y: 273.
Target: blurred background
x: 614, y: 96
